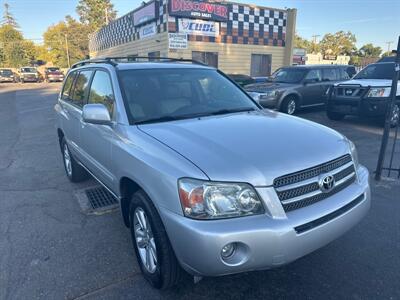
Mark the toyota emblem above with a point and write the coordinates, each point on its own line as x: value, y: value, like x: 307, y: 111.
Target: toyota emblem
x: 327, y: 183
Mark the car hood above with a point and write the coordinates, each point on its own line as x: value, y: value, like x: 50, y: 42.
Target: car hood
x: 251, y: 147
x: 266, y: 86
x: 367, y: 82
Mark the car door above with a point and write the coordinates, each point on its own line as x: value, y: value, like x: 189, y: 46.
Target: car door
x: 96, y: 140
x: 311, y: 89
x: 330, y: 76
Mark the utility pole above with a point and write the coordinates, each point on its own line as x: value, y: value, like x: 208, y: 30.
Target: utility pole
x: 106, y: 11
x: 389, y: 43
x: 314, y: 38
x: 67, y: 49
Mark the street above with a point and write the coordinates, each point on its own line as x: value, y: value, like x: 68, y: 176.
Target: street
x: 50, y: 249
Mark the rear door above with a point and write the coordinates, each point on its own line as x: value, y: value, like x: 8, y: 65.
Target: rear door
x: 312, y: 91
x: 96, y: 140
x: 73, y: 109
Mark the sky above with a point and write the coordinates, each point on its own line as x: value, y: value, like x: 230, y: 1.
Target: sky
x: 372, y: 21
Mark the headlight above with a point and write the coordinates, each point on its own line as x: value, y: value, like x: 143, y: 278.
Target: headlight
x: 354, y: 154
x: 268, y: 95
x: 379, y: 92
x: 216, y: 200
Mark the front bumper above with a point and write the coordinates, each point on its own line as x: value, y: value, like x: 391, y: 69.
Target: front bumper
x: 364, y: 107
x: 6, y: 79
x: 30, y: 79
x: 55, y: 78
x: 265, y: 241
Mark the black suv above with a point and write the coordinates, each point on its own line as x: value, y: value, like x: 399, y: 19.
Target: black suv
x: 291, y: 88
x: 366, y: 95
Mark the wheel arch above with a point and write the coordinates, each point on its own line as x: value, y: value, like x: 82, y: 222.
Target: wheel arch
x: 127, y: 188
x: 291, y: 94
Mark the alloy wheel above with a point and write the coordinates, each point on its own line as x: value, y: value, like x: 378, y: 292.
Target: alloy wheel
x: 291, y: 107
x: 145, y: 240
x: 67, y: 161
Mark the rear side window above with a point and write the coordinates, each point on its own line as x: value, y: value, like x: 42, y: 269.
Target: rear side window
x: 314, y: 75
x: 329, y: 74
x: 101, y: 91
x: 66, y: 93
x: 343, y: 74
x: 81, y: 88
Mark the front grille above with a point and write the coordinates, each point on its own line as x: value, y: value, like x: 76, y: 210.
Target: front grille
x: 328, y: 217
x: 349, y: 91
x: 300, y: 189
x: 312, y: 172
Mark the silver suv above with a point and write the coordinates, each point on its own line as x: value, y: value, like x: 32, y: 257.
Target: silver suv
x: 208, y: 182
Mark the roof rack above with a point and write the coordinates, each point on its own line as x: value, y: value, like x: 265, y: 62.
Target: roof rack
x: 132, y: 59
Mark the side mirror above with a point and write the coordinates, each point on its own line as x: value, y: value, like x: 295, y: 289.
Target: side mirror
x: 96, y: 114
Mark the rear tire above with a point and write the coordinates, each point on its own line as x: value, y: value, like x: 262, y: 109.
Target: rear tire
x: 335, y: 116
x: 150, y: 240
x: 289, y: 105
x: 75, y: 172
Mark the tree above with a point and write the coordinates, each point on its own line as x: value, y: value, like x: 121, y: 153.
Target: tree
x: 370, y: 50
x: 301, y: 43
x: 13, y: 47
x: 8, y: 18
x: 340, y: 43
x: 69, y: 33
x: 95, y: 13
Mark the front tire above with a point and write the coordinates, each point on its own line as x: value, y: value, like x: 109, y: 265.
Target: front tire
x: 75, y: 172
x: 153, y: 250
x: 334, y: 115
x: 289, y: 105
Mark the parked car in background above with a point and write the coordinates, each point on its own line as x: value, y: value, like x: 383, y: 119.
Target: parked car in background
x: 29, y: 74
x: 291, y: 88
x: 366, y: 95
x: 206, y: 179
x: 241, y: 79
x: 387, y: 59
x: 350, y: 70
x: 7, y: 75
x: 53, y: 74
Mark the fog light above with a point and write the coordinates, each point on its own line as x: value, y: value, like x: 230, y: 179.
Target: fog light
x: 228, y: 250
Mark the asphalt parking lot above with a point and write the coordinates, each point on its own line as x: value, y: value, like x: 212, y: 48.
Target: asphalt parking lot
x: 49, y: 249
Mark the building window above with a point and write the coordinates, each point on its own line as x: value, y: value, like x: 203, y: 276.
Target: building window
x: 154, y: 55
x: 209, y: 58
x: 260, y: 65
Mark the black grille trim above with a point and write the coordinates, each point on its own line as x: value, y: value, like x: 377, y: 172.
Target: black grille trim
x: 314, y: 199
x: 310, y: 225
x: 312, y: 172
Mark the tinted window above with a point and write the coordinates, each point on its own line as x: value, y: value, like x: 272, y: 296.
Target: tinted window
x: 28, y: 70
x: 67, y: 86
x: 289, y: 75
x: 314, y: 75
x: 344, y: 74
x: 81, y: 88
x: 377, y: 71
x: 101, y: 91
x: 329, y: 74
x: 180, y: 93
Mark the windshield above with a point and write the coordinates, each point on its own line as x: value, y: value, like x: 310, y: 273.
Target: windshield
x: 289, y: 75
x: 376, y: 71
x: 6, y: 72
x: 28, y: 70
x: 157, y: 95
x: 53, y: 69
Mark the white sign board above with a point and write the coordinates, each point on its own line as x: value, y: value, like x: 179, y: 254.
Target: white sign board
x: 178, y: 40
x: 198, y: 27
x: 148, y: 31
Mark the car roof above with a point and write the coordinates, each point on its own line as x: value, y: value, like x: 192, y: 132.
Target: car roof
x: 318, y: 66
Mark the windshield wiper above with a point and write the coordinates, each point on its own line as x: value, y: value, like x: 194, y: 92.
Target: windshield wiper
x: 229, y: 111
x: 157, y: 120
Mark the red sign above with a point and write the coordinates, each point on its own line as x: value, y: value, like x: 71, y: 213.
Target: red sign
x: 198, y: 10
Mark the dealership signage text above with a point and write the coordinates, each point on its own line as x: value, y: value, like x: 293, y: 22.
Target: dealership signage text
x: 198, y: 27
x: 198, y: 9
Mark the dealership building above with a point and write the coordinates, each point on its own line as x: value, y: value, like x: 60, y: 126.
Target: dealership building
x: 235, y: 37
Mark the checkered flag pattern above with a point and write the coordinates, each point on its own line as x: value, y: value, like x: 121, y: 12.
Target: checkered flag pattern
x: 122, y: 30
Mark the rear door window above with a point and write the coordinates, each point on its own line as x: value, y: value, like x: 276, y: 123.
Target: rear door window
x: 314, y: 74
x: 66, y: 93
x: 81, y: 88
x: 329, y: 74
